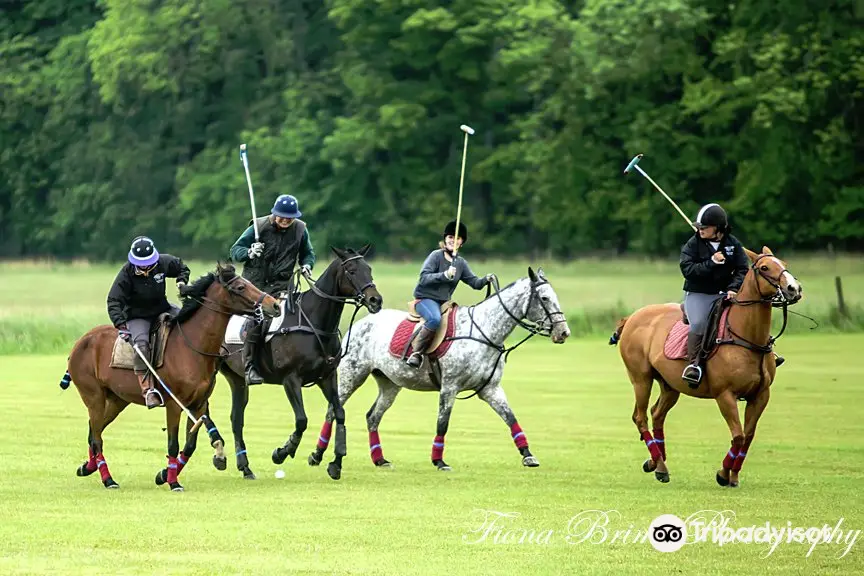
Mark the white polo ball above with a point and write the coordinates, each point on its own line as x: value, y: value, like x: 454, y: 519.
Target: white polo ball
x: 280, y: 473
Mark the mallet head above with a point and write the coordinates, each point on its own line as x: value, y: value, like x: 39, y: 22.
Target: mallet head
x: 467, y: 129
x: 242, y: 147
x: 633, y: 163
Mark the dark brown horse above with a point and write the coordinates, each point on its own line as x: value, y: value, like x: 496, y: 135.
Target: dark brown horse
x: 741, y: 368
x: 191, y: 353
x: 306, y: 350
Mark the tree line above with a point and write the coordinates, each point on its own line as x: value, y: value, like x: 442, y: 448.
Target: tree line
x: 124, y: 117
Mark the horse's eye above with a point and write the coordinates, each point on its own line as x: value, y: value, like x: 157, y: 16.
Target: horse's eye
x: 545, y: 299
x: 764, y: 268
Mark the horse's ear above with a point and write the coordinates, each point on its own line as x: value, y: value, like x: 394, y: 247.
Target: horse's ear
x: 531, y: 275
x: 540, y: 273
x: 364, y: 250
x: 751, y: 255
x: 338, y: 252
x: 766, y: 250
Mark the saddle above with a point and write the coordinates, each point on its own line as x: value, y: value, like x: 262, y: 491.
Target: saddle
x: 403, y: 337
x: 123, y: 356
x: 675, y: 347
x: 235, y: 333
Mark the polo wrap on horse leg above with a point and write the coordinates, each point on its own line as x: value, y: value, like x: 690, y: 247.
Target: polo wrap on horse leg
x: 438, y: 448
x: 731, y: 457
x: 653, y: 448
x: 324, y: 436
x: 375, y: 446
x: 660, y: 440
x: 518, y: 436
x: 739, y: 459
x: 340, y: 447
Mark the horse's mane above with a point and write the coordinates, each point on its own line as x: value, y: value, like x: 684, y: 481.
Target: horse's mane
x: 193, y: 295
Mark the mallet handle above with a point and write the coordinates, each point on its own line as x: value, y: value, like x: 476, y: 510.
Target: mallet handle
x: 459, y: 207
x: 245, y: 161
x: 674, y: 205
x: 196, y: 421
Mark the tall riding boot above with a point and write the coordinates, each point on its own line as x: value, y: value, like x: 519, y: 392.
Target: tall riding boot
x: 253, y: 336
x: 421, y: 343
x: 693, y: 372
x: 152, y: 398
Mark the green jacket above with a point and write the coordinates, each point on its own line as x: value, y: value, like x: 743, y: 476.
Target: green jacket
x: 272, y: 271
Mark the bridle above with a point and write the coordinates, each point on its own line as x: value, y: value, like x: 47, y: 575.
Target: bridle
x: 358, y: 299
x: 533, y: 328
x: 209, y: 303
x: 776, y: 300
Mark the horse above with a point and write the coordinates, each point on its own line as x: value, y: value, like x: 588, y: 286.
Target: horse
x: 472, y: 361
x: 305, y: 349
x: 740, y: 367
x: 190, y: 353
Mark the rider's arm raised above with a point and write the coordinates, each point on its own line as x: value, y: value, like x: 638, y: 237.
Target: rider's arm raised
x: 429, y: 275
x: 691, y: 265
x: 240, y: 250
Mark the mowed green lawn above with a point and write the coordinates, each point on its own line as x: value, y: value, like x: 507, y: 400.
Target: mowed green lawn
x: 45, y: 307
x: 574, y: 403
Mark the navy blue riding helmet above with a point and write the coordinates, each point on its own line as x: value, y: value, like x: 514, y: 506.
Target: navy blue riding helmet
x: 286, y: 207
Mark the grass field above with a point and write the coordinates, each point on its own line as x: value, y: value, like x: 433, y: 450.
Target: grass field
x: 574, y: 402
x: 806, y: 467
x: 45, y: 307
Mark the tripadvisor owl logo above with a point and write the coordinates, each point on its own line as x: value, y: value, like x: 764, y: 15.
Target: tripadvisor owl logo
x: 667, y: 533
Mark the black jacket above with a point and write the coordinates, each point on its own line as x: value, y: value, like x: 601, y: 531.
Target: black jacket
x: 702, y: 275
x: 137, y: 296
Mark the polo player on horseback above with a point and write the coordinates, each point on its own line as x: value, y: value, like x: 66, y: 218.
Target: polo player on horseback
x: 438, y: 280
x: 136, y: 300
x: 714, y: 264
x: 269, y: 262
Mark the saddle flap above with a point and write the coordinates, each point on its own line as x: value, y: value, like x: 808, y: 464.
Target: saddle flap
x: 123, y: 356
x: 401, y: 344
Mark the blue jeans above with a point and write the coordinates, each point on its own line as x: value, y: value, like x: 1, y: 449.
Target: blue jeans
x: 430, y: 310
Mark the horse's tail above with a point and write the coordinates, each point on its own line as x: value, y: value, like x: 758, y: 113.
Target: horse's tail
x: 613, y: 340
x: 66, y: 380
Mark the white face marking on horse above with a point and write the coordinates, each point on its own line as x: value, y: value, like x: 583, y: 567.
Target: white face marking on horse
x: 793, y: 288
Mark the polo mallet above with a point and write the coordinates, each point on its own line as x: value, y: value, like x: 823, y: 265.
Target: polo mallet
x: 245, y: 161
x: 196, y: 422
x: 468, y: 131
x: 634, y: 163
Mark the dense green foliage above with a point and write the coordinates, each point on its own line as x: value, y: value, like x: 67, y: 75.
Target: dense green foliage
x: 120, y: 117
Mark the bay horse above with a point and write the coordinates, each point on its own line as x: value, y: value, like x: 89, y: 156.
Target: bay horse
x: 305, y: 350
x: 741, y: 365
x: 472, y: 361
x: 191, y: 353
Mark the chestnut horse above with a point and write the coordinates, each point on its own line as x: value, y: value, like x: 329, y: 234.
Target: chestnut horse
x: 191, y: 353
x: 743, y: 370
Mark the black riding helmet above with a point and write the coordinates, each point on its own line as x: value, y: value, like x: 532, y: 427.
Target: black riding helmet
x: 712, y: 215
x: 450, y: 230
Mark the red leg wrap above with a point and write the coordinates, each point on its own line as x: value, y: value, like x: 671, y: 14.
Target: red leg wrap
x: 172, y: 470
x: 438, y: 448
x: 652, y: 446
x: 660, y: 439
x: 518, y: 436
x: 324, y: 437
x: 103, y: 467
x: 375, y: 446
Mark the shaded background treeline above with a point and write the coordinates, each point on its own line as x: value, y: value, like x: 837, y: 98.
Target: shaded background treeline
x: 122, y: 117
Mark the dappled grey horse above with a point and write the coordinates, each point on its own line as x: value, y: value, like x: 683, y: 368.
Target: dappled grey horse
x: 472, y: 363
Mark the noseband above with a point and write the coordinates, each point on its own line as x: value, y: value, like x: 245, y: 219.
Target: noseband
x: 549, y: 323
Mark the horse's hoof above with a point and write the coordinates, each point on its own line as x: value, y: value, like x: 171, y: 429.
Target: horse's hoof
x: 247, y: 474
x: 721, y: 480
x: 662, y: 477
x: 278, y: 457
x: 83, y: 470
x: 314, y: 459
x: 176, y: 487
x: 220, y: 463
x: 334, y: 471
x: 111, y: 484
x: 733, y: 484
x: 441, y: 465
x: 161, y: 477
x: 382, y: 463
x: 530, y: 461
x: 649, y: 466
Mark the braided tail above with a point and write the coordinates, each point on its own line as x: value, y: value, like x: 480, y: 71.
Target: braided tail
x: 616, y: 336
x: 66, y: 380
